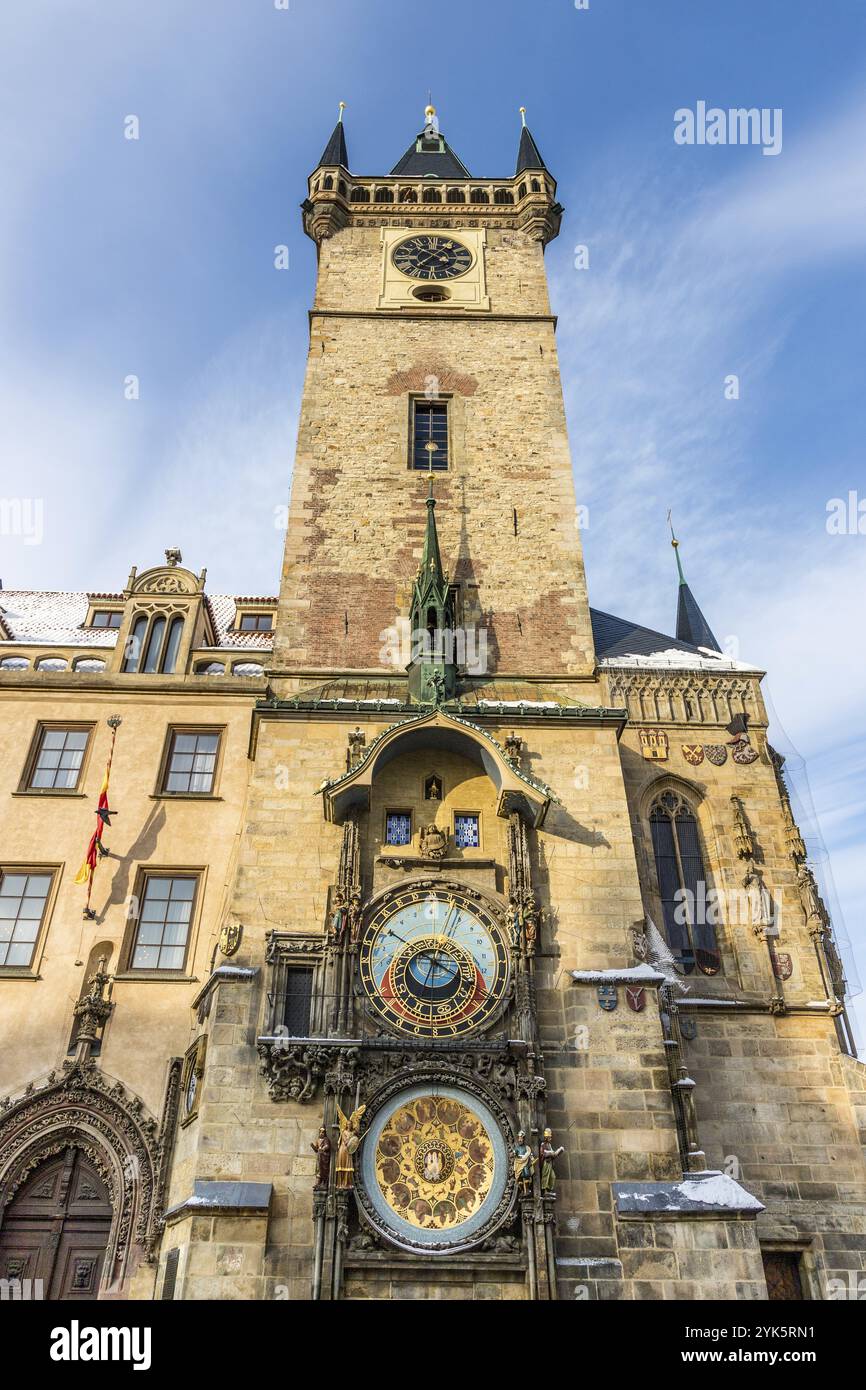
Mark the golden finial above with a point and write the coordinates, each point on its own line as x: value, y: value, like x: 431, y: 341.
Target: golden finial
x: 523, y: 115
x: 429, y: 111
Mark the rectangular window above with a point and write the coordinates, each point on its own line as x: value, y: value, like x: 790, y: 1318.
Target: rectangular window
x: 191, y: 762
x: 430, y: 436
x: 256, y: 622
x: 59, y: 754
x: 466, y: 832
x: 398, y: 828
x: 298, y: 1002
x: 22, y: 907
x: 163, y: 926
x: 107, y: 618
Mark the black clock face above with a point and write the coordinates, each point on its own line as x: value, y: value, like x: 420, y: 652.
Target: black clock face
x: 432, y: 257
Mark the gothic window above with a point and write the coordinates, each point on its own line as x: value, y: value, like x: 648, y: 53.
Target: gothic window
x: 408, y: 195
x: 521, y: 192
x: 153, y: 648
x: 479, y: 195
x: 431, y: 195
x: 297, y: 1003
x: 430, y: 435
x: 360, y: 195
x: 104, y: 617
x: 455, y: 195
x: 502, y: 195
x: 57, y: 762
x: 467, y: 831
x: 341, y: 189
x: 22, y: 908
x: 433, y: 788
x: 384, y: 195
x: 163, y: 926
x: 134, y: 643
x: 536, y: 186
x: 682, y: 884
x: 398, y: 828
x: 191, y: 764
x: 327, y: 181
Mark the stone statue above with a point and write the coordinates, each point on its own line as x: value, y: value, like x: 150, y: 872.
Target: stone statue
x: 322, y: 1149
x: 546, y: 1154
x: 348, y: 1145
x: 761, y: 913
x: 524, y: 1165
x: 813, y: 903
x: 433, y: 842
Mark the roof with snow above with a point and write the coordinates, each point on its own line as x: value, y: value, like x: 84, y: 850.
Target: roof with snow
x: 619, y: 642
x: 57, y: 619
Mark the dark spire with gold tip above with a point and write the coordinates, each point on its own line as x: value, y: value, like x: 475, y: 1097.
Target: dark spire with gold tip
x: 335, y: 153
x: 528, y: 154
x: 692, y: 626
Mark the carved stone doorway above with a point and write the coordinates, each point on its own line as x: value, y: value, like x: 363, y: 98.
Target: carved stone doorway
x: 56, y: 1228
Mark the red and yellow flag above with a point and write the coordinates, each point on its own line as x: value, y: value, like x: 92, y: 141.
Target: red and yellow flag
x: 103, y: 818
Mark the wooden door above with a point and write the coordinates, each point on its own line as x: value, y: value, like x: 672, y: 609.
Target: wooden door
x: 56, y: 1228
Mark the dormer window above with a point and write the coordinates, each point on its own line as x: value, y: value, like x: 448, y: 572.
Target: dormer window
x: 255, y: 622
x: 106, y: 617
x: 153, y: 644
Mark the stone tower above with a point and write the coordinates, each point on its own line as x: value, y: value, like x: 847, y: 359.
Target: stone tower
x: 460, y: 944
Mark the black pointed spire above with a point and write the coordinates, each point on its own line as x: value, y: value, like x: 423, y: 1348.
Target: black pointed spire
x: 528, y: 155
x: 430, y: 154
x: 335, y: 153
x: 692, y: 626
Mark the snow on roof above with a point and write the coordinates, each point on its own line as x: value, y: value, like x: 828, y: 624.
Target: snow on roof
x: 56, y: 618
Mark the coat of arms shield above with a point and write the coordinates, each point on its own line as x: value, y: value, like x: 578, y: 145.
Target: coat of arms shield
x: 608, y: 997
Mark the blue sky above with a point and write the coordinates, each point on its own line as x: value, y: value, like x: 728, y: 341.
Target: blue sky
x: 155, y: 258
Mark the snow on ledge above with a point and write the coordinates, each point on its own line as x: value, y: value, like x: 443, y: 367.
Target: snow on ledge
x: 698, y: 1194
x: 631, y: 974
x: 674, y: 659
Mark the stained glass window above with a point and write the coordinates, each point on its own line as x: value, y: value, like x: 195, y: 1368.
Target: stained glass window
x: 466, y: 832
x: 683, y: 886
x: 398, y: 828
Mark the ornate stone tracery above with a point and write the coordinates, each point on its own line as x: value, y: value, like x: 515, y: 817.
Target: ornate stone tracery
x: 84, y: 1109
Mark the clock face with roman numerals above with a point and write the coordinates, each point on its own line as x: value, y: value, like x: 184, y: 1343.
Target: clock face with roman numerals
x: 432, y: 257
x: 433, y: 963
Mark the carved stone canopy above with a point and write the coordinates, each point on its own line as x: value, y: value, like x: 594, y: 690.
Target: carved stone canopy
x: 517, y: 791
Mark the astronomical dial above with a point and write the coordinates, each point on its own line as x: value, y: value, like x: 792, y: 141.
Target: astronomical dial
x: 431, y: 257
x: 433, y: 963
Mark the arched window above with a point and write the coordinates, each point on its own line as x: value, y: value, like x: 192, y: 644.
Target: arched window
x: 408, y: 195
x: 536, y: 186
x: 360, y: 195
x: 384, y: 195
x: 431, y: 195
x: 479, y: 195
x: 455, y: 195
x: 154, y: 646
x: 687, y: 907
x: 521, y: 192
x: 502, y: 195
x: 327, y: 181
x: 341, y: 189
x: 175, y: 628
x: 135, y: 643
